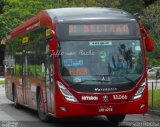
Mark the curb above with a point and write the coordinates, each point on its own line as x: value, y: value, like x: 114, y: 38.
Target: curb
x: 154, y: 112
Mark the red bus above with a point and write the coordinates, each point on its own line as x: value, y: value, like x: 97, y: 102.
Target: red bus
x: 78, y: 62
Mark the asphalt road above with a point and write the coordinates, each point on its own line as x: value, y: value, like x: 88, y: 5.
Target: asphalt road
x: 12, y: 117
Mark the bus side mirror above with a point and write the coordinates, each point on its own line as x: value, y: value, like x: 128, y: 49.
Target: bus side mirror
x: 148, y: 42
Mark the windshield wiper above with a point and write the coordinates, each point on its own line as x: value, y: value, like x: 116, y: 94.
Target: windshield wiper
x: 128, y: 79
x: 78, y: 83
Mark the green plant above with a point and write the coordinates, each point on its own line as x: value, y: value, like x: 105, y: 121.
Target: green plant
x: 156, y: 99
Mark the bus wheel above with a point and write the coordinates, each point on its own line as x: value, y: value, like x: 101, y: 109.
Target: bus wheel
x: 116, y: 118
x: 42, y: 115
x: 15, y: 99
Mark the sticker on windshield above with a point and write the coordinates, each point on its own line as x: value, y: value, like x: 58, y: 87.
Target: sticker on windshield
x: 77, y: 79
x: 68, y: 62
x: 137, y: 48
x: 100, y: 43
x: 78, y: 71
x: 75, y: 63
x: 102, y: 54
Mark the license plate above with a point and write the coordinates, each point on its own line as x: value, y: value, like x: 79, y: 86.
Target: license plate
x: 105, y: 109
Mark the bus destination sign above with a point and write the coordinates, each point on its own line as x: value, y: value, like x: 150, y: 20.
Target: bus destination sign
x: 99, y: 29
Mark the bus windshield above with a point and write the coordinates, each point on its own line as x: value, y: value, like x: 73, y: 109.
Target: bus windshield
x: 113, y: 62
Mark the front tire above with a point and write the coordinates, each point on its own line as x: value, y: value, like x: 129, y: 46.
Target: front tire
x: 42, y: 115
x: 116, y: 118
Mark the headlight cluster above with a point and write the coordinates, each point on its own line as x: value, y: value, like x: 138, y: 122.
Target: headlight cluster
x: 65, y: 92
x: 140, y: 91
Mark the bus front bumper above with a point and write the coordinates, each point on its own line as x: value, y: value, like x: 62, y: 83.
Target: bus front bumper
x: 78, y: 109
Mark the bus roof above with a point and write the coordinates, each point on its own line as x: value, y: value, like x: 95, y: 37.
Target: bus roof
x: 87, y: 14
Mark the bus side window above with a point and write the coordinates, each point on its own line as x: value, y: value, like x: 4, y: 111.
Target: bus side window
x: 17, y: 55
x: 40, y: 54
x: 52, y: 68
x: 12, y: 59
x: 31, y: 67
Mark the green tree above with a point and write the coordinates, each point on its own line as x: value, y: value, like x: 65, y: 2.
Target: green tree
x: 17, y: 11
x: 2, y: 4
x: 151, y: 21
x: 133, y: 6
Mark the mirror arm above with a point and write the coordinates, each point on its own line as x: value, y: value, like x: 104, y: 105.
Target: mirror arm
x: 144, y: 31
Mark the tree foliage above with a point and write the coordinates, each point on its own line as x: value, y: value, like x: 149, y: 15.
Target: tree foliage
x: 2, y: 4
x: 133, y: 6
x: 151, y: 21
x: 17, y: 11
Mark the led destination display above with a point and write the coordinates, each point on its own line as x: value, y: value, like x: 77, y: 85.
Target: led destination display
x: 99, y: 29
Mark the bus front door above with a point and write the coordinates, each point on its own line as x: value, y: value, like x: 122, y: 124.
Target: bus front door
x: 49, y: 82
x: 25, y: 79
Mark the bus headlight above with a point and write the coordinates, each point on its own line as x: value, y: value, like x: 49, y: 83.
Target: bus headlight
x: 65, y: 92
x: 140, y: 91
